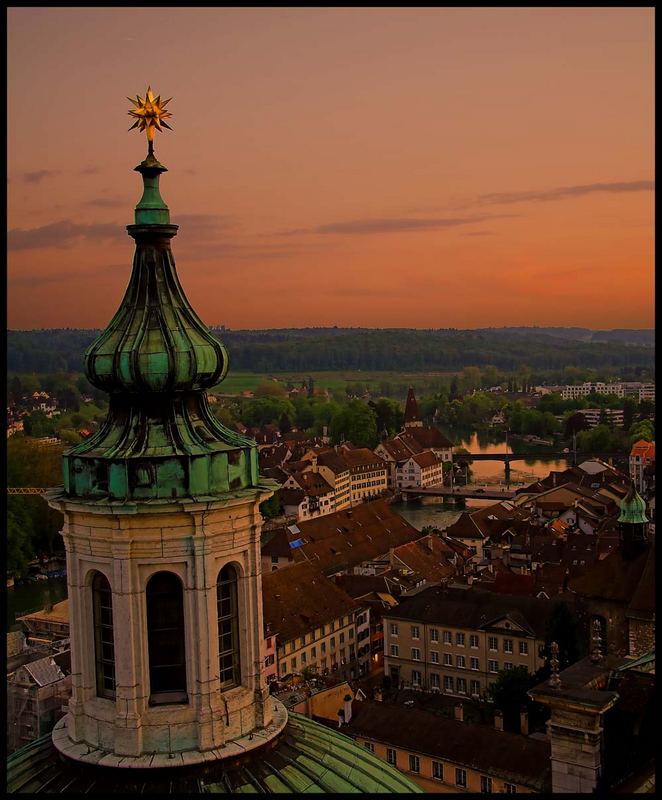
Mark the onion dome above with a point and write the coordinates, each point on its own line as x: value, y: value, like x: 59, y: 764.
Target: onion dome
x: 307, y: 757
x: 155, y: 359
x: 633, y: 508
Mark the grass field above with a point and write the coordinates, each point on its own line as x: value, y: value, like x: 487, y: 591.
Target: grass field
x: 395, y: 382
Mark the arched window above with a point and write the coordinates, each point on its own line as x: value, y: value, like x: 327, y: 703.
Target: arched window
x: 104, y: 645
x: 165, y: 638
x: 228, y: 627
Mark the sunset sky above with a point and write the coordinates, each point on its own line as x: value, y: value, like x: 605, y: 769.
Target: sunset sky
x: 372, y: 167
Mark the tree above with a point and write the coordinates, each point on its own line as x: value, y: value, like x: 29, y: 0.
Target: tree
x: 563, y: 628
x: 453, y: 393
x: 284, y: 424
x: 270, y: 389
x: 471, y: 379
x: 271, y: 508
x: 574, y: 424
x: 355, y: 423
x: 388, y: 413
x: 509, y: 694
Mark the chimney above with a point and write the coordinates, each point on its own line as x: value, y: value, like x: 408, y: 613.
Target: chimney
x: 341, y: 718
x: 459, y: 712
x: 524, y: 722
x: 347, y: 712
x: 498, y: 720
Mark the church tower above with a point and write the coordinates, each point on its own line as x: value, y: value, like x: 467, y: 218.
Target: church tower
x: 161, y: 527
x: 412, y: 419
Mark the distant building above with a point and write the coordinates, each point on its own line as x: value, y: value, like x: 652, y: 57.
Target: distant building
x: 611, y: 416
x: 642, y: 462
x: 456, y: 640
x: 368, y: 473
x: 419, y: 471
x: 584, y: 389
x: 412, y: 418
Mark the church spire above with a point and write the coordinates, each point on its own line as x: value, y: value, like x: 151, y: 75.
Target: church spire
x: 412, y: 419
x: 156, y: 359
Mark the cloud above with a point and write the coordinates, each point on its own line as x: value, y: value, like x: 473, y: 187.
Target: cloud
x: 89, y: 171
x: 107, y: 202
x: 38, y: 175
x: 59, y: 234
x: 362, y: 227
x: 563, y: 192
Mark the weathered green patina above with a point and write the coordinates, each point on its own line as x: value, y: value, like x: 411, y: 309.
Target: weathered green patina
x: 633, y: 508
x: 156, y: 358
x: 306, y: 758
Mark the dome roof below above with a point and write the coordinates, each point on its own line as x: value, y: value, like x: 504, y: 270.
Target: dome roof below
x: 306, y: 757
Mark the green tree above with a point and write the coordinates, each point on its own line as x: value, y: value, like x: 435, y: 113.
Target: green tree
x: 574, y: 424
x: 563, y: 628
x: 355, y: 423
x: 388, y: 414
x: 270, y: 389
x: 509, y: 694
x: 271, y: 508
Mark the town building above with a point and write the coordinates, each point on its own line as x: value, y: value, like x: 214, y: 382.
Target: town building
x: 368, y: 473
x: 642, y: 464
x: 316, y: 622
x: 457, y: 640
x: 316, y: 500
x: 578, y: 391
x: 419, y: 471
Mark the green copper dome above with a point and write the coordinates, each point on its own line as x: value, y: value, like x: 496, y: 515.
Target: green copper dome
x: 156, y: 358
x: 307, y: 757
x: 633, y: 508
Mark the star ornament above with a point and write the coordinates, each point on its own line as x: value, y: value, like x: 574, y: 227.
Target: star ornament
x: 150, y: 113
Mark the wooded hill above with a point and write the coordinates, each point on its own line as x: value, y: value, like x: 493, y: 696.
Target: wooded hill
x: 314, y: 349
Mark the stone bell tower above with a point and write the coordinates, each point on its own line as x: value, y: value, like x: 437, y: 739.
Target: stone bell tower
x: 161, y: 529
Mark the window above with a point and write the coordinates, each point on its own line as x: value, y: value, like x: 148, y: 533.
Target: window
x: 460, y: 777
x: 475, y: 664
x: 448, y: 683
x: 165, y: 639
x: 475, y: 687
x: 507, y: 645
x: 434, y: 635
x: 461, y: 663
x: 228, y: 627
x: 333, y: 642
x: 485, y: 784
x: 302, y: 641
x: 342, y: 638
x: 507, y: 664
x: 415, y: 654
x: 303, y: 659
x: 394, y: 629
x: 461, y: 686
x: 437, y: 770
x: 293, y: 664
x: 269, y: 660
x: 493, y: 666
x: 415, y: 632
x: 434, y: 656
x: 434, y: 680
x: 415, y: 677
x: 448, y: 637
x: 283, y: 667
x: 104, y: 645
x: 524, y: 648
x: 510, y: 788
x: 414, y: 764
x: 313, y: 653
x: 395, y: 650
x: 323, y: 648
x: 459, y: 639
x: 493, y: 643
x: 473, y: 641
x: 448, y: 660
x: 351, y: 633
x: 391, y: 757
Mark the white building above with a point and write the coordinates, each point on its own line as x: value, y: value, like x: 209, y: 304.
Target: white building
x: 419, y: 471
x: 614, y: 416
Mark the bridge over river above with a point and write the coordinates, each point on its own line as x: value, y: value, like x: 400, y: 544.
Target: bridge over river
x: 460, y: 492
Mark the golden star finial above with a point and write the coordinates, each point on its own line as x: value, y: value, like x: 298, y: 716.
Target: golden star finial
x: 150, y: 113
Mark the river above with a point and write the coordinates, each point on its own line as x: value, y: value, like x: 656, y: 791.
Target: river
x: 434, y: 511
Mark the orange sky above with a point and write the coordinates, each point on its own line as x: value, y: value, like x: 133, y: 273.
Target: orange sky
x: 374, y: 167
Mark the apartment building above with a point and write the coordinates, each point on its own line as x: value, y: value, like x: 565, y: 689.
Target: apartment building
x: 457, y: 640
x: 584, y: 389
x: 368, y: 473
x: 450, y: 755
x: 419, y: 471
x: 335, y: 471
x: 316, y: 622
x: 316, y: 500
x: 611, y: 416
x: 647, y: 392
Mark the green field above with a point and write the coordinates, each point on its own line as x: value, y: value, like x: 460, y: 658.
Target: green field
x: 397, y: 382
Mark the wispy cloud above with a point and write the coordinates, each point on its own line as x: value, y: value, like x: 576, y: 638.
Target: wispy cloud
x: 60, y: 234
x: 38, y: 175
x: 563, y: 192
x: 360, y: 227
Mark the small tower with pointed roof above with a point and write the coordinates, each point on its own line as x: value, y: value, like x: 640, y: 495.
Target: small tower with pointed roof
x: 632, y: 523
x: 412, y: 419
